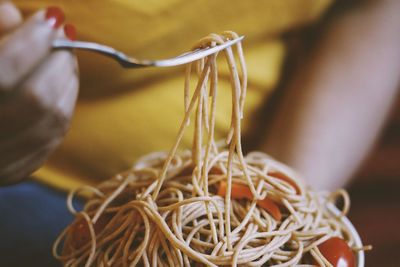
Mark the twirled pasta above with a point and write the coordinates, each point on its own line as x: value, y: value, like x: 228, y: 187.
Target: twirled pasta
x: 210, y: 206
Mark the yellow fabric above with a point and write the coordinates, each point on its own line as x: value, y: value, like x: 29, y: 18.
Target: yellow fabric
x: 123, y: 114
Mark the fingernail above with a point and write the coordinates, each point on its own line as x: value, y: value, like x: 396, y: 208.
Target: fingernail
x: 55, y: 15
x: 70, y: 31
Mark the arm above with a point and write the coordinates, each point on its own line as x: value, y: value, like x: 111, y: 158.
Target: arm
x: 337, y: 102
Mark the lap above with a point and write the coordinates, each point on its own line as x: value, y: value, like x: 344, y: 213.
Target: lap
x: 31, y: 217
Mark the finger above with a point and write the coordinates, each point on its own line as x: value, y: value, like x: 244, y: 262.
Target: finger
x: 27, y: 151
x: 67, y: 101
x: 25, y: 48
x: 48, y: 97
x: 10, y: 17
x: 52, y: 81
x: 51, y: 88
x: 42, y: 91
x: 47, y: 132
x: 37, y: 96
x: 23, y: 167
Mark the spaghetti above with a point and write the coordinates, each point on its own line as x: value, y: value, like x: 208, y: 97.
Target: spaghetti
x: 211, y: 206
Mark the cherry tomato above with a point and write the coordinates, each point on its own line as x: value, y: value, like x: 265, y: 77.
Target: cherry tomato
x: 285, y: 178
x: 215, y: 170
x: 271, y: 207
x: 240, y: 191
x: 80, y: 231
x: 337, y: 252
x: 187, y: 171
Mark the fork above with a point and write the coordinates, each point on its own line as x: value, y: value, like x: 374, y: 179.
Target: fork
x: 130, y: 62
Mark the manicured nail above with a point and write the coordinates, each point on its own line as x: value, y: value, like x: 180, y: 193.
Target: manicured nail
x: 70, y: 31
x: 55, y: 15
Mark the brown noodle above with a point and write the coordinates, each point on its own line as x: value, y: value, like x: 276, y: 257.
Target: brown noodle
x: 165, y: 211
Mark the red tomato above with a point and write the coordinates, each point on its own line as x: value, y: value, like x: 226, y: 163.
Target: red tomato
x: 240, y: 191
x: 285, y: 178
x: 337, y: 252
x: 80, y: 231
x: 187, y: 171
x: 271, y: 207
x: 215, y: 170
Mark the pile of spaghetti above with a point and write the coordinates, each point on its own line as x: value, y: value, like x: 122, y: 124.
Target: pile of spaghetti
x: 210, y: 206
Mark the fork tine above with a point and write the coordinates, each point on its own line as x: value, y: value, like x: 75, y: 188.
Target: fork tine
x: 194, y: 55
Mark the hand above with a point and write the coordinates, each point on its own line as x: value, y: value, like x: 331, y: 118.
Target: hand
x: 38, y: 89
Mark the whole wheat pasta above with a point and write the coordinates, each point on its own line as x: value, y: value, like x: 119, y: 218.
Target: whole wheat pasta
x: 208, y: 206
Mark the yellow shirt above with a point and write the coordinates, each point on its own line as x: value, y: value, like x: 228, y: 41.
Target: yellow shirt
x: 123, y: 114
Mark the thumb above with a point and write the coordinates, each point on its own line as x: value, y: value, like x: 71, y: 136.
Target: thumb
x: 10, y: 17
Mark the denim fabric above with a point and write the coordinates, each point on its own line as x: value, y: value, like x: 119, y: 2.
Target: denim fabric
x: 31, y: 217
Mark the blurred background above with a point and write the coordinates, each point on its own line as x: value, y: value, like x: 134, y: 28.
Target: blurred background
x: 375, y: 197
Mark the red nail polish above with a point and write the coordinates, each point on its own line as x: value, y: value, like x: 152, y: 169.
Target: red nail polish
x: 70, y: 31
x: 55, y: 15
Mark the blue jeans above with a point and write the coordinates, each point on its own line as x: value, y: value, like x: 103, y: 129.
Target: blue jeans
x: 31, y: 217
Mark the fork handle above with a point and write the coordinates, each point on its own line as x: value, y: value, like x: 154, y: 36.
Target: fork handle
x: 120, y: 57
